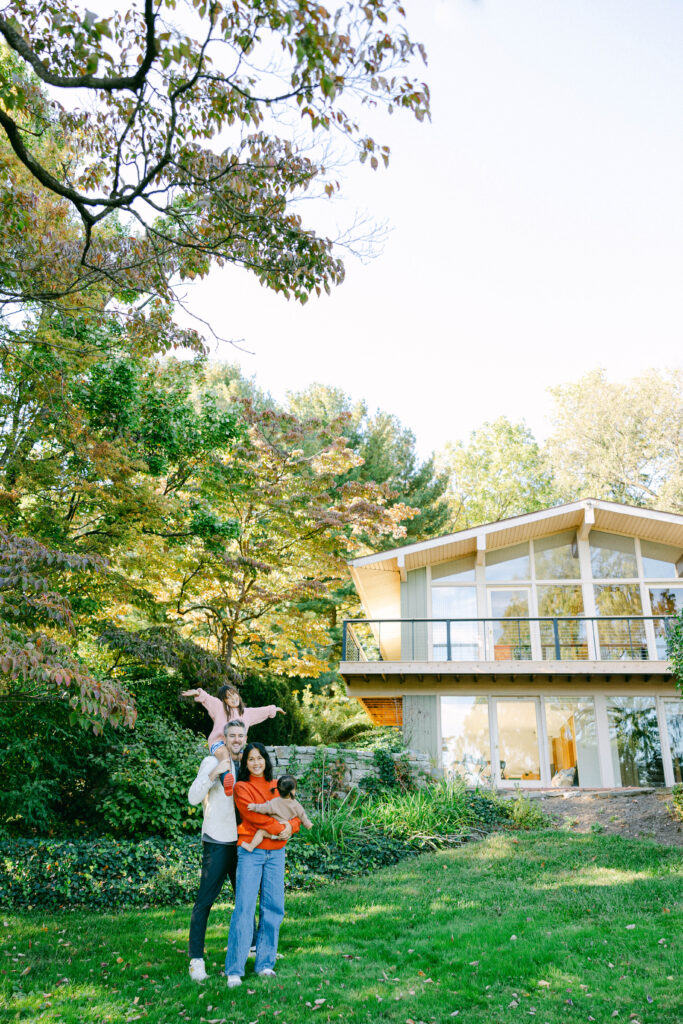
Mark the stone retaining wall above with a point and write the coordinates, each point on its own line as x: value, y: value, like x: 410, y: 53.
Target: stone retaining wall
x: 359, y: 763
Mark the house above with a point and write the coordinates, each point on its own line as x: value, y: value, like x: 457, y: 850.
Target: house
x: 530, y: 651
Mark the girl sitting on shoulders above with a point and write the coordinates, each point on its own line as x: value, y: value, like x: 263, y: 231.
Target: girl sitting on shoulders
x: 226, y: 706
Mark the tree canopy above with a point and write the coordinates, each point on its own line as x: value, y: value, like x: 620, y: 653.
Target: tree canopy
x: 500, y: 471
x: 141, y: 147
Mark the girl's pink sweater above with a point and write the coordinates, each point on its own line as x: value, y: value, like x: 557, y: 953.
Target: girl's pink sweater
x: 219, y: 714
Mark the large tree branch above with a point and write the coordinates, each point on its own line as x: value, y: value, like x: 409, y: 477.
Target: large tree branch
x: 108, y: 84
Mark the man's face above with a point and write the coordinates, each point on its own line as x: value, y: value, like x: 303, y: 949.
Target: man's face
x: 235, y: 739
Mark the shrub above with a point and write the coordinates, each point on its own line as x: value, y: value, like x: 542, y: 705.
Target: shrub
x: 676, y: 805
x: 525, y: 813
x: 392, y: 773
x: 355, y: 836
x: 147, y: 782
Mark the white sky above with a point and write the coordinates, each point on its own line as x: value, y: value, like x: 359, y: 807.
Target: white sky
x: 537, y: 224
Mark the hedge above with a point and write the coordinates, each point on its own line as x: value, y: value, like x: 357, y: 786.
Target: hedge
x: 54, y: 874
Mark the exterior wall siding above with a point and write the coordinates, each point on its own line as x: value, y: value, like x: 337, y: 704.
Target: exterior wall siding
x: 414, y: 636
x: 421, y: 724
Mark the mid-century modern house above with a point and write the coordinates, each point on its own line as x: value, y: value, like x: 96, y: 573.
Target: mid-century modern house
x: 530, y: 651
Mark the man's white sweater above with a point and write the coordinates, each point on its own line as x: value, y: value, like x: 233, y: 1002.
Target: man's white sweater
x: 219, y: 809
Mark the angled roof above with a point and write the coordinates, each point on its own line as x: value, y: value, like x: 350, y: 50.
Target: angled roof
x: 377, y: 577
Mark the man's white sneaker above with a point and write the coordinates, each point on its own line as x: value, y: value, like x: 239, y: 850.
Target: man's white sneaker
x: 198, y: 970
x: 267, y: 972
x: 234, y: 980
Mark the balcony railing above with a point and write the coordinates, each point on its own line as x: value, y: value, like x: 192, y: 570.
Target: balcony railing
x: 558, y: 638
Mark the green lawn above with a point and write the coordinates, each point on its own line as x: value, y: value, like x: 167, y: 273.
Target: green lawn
x: 546, y: 926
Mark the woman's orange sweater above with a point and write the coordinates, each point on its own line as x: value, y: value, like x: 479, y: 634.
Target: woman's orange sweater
x: 258, y: 791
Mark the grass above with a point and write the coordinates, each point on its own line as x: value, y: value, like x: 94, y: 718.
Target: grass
x: 553, y: 927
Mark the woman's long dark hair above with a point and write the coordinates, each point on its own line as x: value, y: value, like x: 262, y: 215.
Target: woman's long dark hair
x: 222, y: 694
x: 244, y: 774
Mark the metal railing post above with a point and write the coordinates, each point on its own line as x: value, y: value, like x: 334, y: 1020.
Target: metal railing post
x: 448, y: 640
x: 344, y: 640
x: 556, y: 633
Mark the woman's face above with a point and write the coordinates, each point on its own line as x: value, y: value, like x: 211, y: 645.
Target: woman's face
x: 256, y: 763
x: 232, y: 699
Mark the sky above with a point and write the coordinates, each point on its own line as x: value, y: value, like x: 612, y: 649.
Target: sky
x: 536, y: 225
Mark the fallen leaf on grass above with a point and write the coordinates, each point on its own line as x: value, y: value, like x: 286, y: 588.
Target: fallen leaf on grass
x: 26, y: 969
x: 630, y: 927
x: 474, y: 963
x: 544, y: 984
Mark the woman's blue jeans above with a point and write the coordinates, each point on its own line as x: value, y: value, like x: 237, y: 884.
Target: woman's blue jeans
x: 264, y: 870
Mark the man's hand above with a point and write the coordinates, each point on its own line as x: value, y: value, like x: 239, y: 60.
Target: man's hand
x: 286, y: 832
x: 189, y: 693
x: 280, y: 711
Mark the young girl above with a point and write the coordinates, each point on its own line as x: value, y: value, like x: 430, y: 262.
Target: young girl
x: 226, y: 706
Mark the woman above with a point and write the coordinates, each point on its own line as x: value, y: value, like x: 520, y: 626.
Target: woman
x: 260, y: 869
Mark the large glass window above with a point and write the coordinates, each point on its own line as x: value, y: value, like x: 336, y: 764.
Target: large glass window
x: 659, y: 560
x: 562, y: 637
x: 664, y: 601
x: 673, y: 709
x: 465, y: 745
x: 612, y: 556
x: 620, y: 638
x: 511, y: 639
x: 460, y: 570
x: 452, y: 640
x: 557, y: 557
x: 572, y: 742
x: 517, y: 721
x: 508, y: 564
x: 634, y: 741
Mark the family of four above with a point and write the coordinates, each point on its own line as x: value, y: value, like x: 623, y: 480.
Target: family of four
x: 248, y: 818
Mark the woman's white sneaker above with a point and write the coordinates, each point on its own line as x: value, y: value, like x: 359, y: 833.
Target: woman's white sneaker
x: 267, y: 972
x: 234, y: 980
x: 198, y: 970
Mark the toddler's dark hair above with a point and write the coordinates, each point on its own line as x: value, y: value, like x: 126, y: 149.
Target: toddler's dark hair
x: 286, y: 784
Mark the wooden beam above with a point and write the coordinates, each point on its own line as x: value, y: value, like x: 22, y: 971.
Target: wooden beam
x: 588, y: 522
x: 481, y: 548
x: 401, y: 560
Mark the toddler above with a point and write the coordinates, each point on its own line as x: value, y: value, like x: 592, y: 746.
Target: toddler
x: 282, y: 807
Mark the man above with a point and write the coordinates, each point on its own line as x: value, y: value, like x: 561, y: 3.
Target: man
x: 219, y: 836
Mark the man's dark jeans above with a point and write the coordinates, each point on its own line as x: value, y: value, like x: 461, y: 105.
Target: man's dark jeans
x: 218, y: 863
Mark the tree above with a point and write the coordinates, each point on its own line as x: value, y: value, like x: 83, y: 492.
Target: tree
x: 620, y: 441
x: 36, y: 626
x: 276, y: 532
x: 500, y: 472
x: 164, y: 158
x: 389, y: 456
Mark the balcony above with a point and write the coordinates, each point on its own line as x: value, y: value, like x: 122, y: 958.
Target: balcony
x: 619, y: 638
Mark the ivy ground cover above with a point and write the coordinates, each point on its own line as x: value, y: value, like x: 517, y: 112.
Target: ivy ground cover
x: 544, y: 926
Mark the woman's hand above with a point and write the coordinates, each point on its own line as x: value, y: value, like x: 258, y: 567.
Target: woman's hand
x: 189, y: 693
x: 286, y: 832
